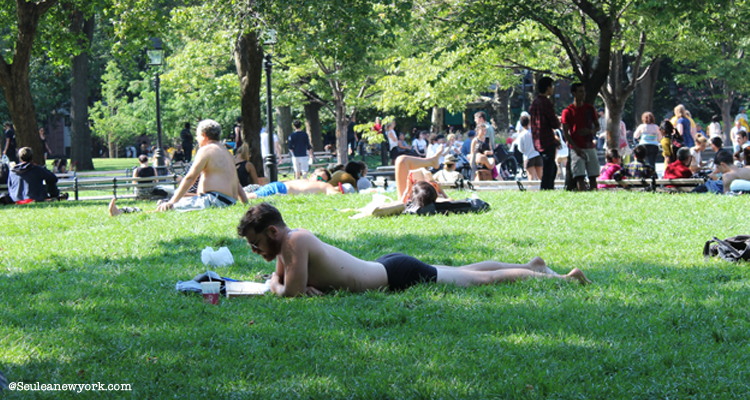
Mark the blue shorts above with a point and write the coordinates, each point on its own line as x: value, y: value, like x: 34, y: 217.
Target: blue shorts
x: 271, y: 189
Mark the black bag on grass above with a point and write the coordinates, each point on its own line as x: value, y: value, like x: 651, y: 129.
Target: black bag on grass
x: 735, y: 248
x: 448, y: 207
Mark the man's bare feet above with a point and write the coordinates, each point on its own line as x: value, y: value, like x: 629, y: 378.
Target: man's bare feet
x: 113, y: 210
x: 436, y: 158
x: 538, y: 265
x: 578, y: 275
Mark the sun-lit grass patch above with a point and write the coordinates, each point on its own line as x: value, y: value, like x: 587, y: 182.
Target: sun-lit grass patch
x: 89, y: 298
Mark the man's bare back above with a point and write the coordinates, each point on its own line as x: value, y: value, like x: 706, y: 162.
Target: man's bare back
x: 329, y: 268
x: 213, y: 164
x: 218, y: 173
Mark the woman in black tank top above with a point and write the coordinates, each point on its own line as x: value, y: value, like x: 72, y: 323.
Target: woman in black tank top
x: 245, y: 169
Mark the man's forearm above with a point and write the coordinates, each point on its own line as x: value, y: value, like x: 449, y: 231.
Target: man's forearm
x: 185, y: 185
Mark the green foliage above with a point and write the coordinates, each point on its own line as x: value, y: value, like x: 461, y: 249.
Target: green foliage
x: 368, y: 132
x: 713, y: 50
x: 198, y: 81
x: 658, y: 322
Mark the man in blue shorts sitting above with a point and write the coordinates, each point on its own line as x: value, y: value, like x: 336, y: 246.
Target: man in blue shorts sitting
x: 306, y: 265
x: 316, y: 184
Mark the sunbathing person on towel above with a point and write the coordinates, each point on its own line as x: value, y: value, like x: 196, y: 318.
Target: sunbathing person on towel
x: 306, y: 265
x: 315, y: 184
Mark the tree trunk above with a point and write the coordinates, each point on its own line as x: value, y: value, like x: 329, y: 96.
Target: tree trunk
x: 341, y: 122
x: 248, y: 56
x: 616, y: 92
x: 284, y: 127
x: 501, y: 112
x: 614, y: 116
x: 14, y: 77
x: 644, y: 92
x: 80, y: 134
x: 438, y: 119
x: 312, y: 124
x: 110, y: 144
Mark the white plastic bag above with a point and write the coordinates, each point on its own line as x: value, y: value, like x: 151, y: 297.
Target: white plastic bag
x: 378, y: 200
x: 218, y: 258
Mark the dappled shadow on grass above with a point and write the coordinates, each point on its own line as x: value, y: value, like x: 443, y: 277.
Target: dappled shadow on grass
x: 645, y: 326
x: 437, y: 340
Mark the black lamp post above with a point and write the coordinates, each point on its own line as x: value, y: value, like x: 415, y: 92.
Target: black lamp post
x: 156, y: 59
x: 268, y: 65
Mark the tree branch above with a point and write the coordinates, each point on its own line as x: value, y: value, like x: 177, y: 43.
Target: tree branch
x: 515, y: 65
x: 323, y: 68
x: 638, y: 59
x: 314, y: 98
x: 363, y: 88
x: 647, y: 70
x: 625, y: 8
x: 579, y: 67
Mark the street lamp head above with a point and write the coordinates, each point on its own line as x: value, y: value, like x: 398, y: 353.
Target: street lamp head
x: 155, y: 52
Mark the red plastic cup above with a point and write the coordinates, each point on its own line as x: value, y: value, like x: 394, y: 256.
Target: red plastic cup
x: 210, y: 292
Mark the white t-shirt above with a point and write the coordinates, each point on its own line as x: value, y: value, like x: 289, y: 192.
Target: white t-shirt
x: 525, y: 144
x: 392, y: 142
x: 697, y: 158
x: 264, y: 143
x: 714, y: 130
x: 563, y: 151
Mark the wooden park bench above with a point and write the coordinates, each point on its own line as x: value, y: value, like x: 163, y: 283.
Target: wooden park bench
x: 655, y: 184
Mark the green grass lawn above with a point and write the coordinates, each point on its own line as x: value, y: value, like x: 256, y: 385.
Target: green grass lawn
x: 107, y: 164
x: 88, y: 298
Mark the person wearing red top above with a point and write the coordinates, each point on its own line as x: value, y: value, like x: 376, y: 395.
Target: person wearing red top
x: 543, y: 125
x: 580, y: 123
x: 680, y: 169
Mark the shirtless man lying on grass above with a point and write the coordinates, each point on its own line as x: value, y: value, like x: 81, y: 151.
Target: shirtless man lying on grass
x: 306, y: 265
x: 316, y: 184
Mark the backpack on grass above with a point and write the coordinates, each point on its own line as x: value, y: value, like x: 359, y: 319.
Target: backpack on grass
x: 735, y: 248
x: 449, y: 207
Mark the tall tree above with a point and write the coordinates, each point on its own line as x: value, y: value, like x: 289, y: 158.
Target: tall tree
x: 80, y: 134
x: 714, y: 50
x: 344, y: 40
x: 596, y: 36
x: 14, y: 70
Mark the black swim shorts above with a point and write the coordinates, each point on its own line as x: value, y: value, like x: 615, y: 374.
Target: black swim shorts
x: 405, y: 271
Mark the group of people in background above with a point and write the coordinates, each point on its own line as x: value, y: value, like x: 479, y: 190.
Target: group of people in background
x: 547, y: 141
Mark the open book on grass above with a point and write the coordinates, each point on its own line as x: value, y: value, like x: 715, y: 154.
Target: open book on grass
x: 246, y: 288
